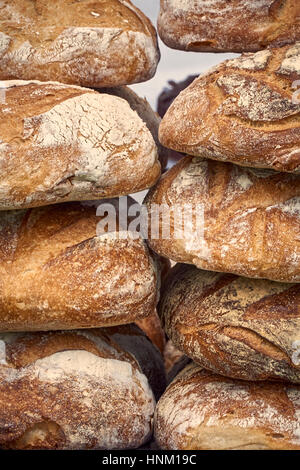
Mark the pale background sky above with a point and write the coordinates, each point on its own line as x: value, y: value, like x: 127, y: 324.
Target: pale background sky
x: 175, y: 65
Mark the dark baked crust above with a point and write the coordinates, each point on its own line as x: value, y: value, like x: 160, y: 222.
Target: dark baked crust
x: 237, y: 327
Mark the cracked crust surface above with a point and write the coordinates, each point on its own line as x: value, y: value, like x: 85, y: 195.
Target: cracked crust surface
x: 90, y: 43
x: 235, y: 326
x: 222, y: 26
x: 244, y: 220
x: 60, y: 270
x: 203, y: 411
x: 77, y: 389
x: 245, y: 110
x: 63, y: 143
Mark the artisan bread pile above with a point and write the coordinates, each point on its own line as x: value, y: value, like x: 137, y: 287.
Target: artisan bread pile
x: 232, y: 303
x: 76, y: 372
x: 81, y: 343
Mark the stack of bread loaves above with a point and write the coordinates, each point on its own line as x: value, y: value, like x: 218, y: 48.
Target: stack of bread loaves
x: 75, y: 372
x: 232, y: 304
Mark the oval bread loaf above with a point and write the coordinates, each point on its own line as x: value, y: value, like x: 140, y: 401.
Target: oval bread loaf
x: 64, y: 143
x: 242, y: 328
x: 245, y: 221
x: 222, y: 26
x: 203, y: 411
x: 92, y: 43
x: 59, y: 271
x: 245, y: 110
x: 77, y: 389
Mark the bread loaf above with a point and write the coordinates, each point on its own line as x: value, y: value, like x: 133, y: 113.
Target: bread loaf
x: 202, y: 411
x: 247, y: 220
x: 146, y: 113
x: 55, y: 273
x: 76, y: 390
x: 242, y: 328
x: 245, y: 110
x: 228, y: 26
x: 64, y: 143
x: 92, y: 43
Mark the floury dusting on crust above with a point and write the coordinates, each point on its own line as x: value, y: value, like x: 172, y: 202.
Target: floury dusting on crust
x: 96, y: 388
x: 197, y: 401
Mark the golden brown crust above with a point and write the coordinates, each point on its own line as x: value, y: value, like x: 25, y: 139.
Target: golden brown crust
x: 55, y: 273
x: 63, y: 143
x: 222, y: 26
x: 248, y: 219
x: 76, y: 390
x: 237, y: 327
x: 245, y: 110
x: 203, y: 411
x: 89, y: 43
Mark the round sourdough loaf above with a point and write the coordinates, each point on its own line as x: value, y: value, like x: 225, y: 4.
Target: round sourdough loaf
x: 223, y: 26
x: 202, y: 411
x: 64, y: 143
x: 227, y: 218
x: 60, y: 270
x: 245, y: 110
x: 92, y: 43
x: 237, y: 327
x: 77, y: 389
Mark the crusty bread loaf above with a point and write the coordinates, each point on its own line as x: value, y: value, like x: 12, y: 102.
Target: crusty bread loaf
x: 242, y: 328
x: 202, y: 411
x: 245, y: 110
x: 77, y: 389
x: 248, y: 219
x: 228, y: 26
x: 55, y: 273
x: 64, y: 143
x: 91, y: 43
x: 146, y: 113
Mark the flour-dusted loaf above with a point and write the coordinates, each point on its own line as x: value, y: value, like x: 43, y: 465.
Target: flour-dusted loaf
x: 245, y: 221
x: 228, y: 26
x: 237, y: 327
x: 203, y: 411
x: 64, y: 143
x: 92, y: 43
x: 77, y: 389
x: 245, y: 110
x: 146, y: 113
x: 55, y: 273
